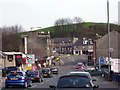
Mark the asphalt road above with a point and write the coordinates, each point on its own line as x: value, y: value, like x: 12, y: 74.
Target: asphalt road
x: 69, y: 64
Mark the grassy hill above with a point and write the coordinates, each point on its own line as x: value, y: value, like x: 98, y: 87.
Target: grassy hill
x: 86, y: 29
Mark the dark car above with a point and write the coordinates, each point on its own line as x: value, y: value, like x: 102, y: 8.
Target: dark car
x: 7, y: 70
x: 35, y: 75
x: 73, y: 82
x: 47, y: 72
x: 54, y: 70
x: 17, y: 78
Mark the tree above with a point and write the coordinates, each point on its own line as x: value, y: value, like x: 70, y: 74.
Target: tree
x: 61, y: 26
x: 77, y: 20
x: 11, y: 37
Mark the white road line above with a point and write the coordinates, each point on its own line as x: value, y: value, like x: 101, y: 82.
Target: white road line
x: 34, y: 86
x: 46, y: 80
x: 42, y: 83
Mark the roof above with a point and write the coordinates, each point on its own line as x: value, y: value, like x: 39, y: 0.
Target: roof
x: 12, y: 53
x: 79, y: 42
x: 80, y: 72
x: 62, y: 40
x: 82, y: 42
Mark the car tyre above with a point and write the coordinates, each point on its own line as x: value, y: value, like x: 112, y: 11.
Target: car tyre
x: 30, y: 85
x: 40, y: 80
x: 25, y: 85
x: 6, y: 86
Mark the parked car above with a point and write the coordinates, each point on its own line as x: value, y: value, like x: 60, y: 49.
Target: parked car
x: 95, y: 71
x: 73, y: 82
x: 54, y: 70
x: 17, y: 78
x: 7, y: 70
x: 35, y: 75
x: 47, y: 72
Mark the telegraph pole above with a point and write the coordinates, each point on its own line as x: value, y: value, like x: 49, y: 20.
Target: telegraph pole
x: 108, y: 27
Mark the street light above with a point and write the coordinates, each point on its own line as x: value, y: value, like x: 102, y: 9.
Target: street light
x: 108, y: 27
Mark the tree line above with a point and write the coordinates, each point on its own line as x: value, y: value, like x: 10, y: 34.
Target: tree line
x: 11, y: 37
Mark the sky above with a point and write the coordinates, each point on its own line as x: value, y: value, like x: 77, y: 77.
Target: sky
x: 43, y: 13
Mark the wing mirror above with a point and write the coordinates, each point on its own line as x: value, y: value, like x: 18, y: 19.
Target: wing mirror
x: 96, y: 86
x: 51, y: 86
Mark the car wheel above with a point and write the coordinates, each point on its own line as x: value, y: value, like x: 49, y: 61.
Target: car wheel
x: 102, y: 75
x: 25, y: 85
x: 6, y: 86
x: 40, y: 80
x: 30, y: 84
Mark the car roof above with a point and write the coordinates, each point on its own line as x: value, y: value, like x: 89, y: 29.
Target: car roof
x: 79, y: 72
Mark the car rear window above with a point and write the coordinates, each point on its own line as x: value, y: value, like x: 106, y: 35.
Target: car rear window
x: 15, y: 74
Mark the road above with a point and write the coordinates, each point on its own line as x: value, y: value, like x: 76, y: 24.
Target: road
x: 70, y: 62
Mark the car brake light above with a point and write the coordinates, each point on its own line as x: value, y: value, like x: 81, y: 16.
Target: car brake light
x: 6, y: 78
x: 23, y: 78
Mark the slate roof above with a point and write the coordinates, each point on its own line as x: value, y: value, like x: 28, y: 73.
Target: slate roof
x: 80, y: 42
x: 61, y: 40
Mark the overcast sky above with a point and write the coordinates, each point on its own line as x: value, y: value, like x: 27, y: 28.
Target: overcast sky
x: 43, y: 13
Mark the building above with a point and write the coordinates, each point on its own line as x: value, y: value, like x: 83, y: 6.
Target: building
x: 62, y: 45
x: 102, y: 45
x: 83, y: 46
x: 35, y: 42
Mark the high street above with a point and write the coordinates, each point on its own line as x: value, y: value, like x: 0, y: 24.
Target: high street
x: 69, y: 64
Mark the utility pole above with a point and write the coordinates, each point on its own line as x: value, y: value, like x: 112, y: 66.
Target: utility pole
x: 108, y: 27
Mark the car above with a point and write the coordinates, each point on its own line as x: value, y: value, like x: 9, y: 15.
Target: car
x: 17, y: 78
x: 8, y: 69
x: 80, y: 66
x: 82, y: 73
x: 35, y: 75
x: 47, y: 72
x: 73, y: 82
x: 54, y: 70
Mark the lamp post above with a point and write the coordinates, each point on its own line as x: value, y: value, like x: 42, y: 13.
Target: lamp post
x: 108, y: 27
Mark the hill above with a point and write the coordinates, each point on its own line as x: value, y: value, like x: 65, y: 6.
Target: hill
x: 86, y: 29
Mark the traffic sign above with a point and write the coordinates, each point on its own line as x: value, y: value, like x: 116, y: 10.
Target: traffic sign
x: 102, y: 61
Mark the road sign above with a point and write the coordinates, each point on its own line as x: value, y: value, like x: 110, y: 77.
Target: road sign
x: 111, y: 49
x: 101, y: 61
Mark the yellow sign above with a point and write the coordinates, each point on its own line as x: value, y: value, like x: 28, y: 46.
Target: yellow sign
x: 28, y: 68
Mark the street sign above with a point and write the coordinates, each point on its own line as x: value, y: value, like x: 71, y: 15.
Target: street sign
x: 111, y: 49
x: 101, y: 61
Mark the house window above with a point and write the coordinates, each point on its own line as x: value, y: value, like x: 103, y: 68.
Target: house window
x: 10, y: 58
x: 77, y: 52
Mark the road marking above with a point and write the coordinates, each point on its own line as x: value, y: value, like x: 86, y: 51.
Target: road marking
x: 34, y: 86
x: 46, y: 80
x: 42, y: 83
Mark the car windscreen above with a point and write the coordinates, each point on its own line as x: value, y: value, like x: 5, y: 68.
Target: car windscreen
x: 74, y: 82
x: 15, y: 74
x: 32, y: 72
x: 45, y: 70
